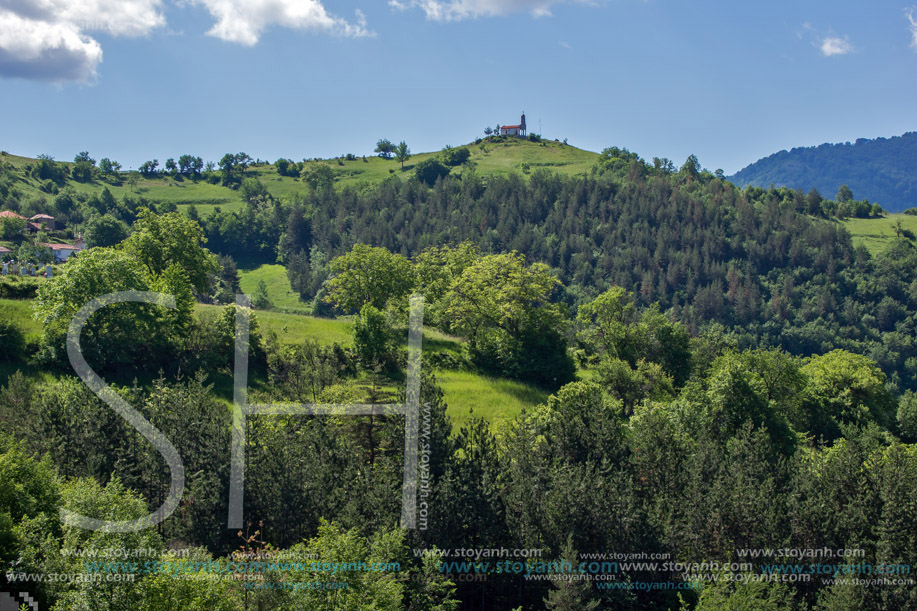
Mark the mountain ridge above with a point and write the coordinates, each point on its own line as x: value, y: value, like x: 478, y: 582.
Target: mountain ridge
x: 879, y: 169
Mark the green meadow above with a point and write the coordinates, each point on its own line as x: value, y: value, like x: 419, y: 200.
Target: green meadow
x: 877, y: 234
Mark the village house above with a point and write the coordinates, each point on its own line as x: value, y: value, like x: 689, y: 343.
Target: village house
x: 62, y: 252
x: 43, y: 219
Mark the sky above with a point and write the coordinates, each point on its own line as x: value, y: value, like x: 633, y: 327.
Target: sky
x: 730, y: 82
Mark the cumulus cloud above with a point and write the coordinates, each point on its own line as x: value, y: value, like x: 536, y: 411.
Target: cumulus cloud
x: 833, y: 45
x: 48, y: 40
x: 909, y: 13
x: 243, y: 21
x: 455, y: 10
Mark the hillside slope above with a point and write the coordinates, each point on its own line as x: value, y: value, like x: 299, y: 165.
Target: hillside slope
x: 491, y: 156
x: 881, y: 170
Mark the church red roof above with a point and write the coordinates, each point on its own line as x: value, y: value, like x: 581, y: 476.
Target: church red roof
x: 511, y: 127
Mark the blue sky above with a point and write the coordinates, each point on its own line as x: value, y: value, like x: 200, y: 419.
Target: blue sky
x: 730, y: 82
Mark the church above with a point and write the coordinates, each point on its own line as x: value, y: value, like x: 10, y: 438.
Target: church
x: 514, y: 130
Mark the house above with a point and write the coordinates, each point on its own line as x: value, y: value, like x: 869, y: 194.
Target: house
x: 9, y: 214
x: 62, y: 252
x: 4, y: 250
x: 514, y: 130
x: 43, y: 219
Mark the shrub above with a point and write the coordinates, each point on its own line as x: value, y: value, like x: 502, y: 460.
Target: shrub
x: 12, y: 341
x: 456, y: 156
x: 374, y: 339
x: 17, y: 287
x: 429, y: 170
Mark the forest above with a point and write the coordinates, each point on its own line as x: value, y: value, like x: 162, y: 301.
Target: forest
x: 878, y: 168
x: 730, y: 421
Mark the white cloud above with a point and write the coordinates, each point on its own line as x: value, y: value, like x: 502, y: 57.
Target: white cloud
x: 243, y: 21
x: 909, y: 13
x: 455, y: 10
x: 47, y: 40
x: 834, y: 45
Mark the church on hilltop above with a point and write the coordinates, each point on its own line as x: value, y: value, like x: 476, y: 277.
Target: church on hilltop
x: 514, y: 130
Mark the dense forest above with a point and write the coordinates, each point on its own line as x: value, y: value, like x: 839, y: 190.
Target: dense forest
x: 731, y: 425
x: 879, y: 169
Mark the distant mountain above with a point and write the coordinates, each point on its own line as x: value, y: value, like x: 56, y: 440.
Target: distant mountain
x: 883, y: 170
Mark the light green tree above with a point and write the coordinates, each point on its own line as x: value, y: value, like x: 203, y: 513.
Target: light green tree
x: 845, y: 388
x: 369, y: 275
x: 435, y: 269
x: 158, y: 241
x: 11, y: 227
x: 402, y: 153
x: 105, y: 230
x: 604, y: 322
x: 119, y: 333
x: 506, y: 311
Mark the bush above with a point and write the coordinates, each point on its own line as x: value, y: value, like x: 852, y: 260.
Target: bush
x: 18, y: 287
x: 456, y: 156
x: 374, y: 340
x: 446, y: 360
x: 12, y: 341
x: 429, y: 170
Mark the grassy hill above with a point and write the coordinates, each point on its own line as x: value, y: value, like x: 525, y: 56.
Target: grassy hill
x: 490, y: 156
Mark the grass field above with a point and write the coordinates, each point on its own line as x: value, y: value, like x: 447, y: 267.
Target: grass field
x: 278, y: 287
x: 496, y: 400
x: 294, y: 329
x: 877, y: 234
x: 20, y: 312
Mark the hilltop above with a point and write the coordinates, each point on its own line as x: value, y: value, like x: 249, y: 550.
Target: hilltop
x: 497, y: 155
x: 881, y: 170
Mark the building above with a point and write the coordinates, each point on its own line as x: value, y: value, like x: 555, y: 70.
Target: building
x: 9, y: 214
x: 43, y: 219
x: 514, y: 130
x: 62, y: 252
